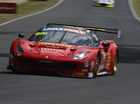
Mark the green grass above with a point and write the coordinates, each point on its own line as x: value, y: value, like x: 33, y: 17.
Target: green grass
x: 29, y: 7
x: 136, y: 4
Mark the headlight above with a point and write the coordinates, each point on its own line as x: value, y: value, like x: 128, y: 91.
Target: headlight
x: 19, y: 50
x: 79, y: 56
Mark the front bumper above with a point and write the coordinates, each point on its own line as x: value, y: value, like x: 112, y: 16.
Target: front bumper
x: 65, y: 68
x: 104, y: 5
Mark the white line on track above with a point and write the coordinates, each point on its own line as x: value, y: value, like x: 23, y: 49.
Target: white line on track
x: 30, y: 15
x: 133, y: 11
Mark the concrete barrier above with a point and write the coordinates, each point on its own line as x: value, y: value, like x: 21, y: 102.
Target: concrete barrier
x: 9, y: 6
x: 13, y: 1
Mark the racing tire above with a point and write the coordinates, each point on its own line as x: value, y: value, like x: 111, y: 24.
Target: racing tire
x: 95, y: 67
x: 115, y: 66
x: 92, y: 72
x: 13, y: 69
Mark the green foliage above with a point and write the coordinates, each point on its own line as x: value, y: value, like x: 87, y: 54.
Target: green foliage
x: 136, y: 4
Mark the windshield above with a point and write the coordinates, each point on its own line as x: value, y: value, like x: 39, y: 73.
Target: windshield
x: 66, y: 37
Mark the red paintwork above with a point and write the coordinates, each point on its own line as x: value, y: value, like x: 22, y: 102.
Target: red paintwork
x: 36, y: 53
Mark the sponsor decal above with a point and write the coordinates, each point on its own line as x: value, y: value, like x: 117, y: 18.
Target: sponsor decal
x: 75, y: 31
x: 54, y: 51
x: 48, y: 50
x: 41, y: 33
x: 53, y: 29
x: 55, y: 45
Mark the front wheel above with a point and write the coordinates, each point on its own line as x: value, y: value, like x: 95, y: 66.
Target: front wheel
x: 91, y: 73
x: 11, y: 65
x: 94, y: 65
x: 12, y: 68
x: 114, y: 70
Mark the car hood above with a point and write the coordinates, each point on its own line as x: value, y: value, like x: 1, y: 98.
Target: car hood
x: 54, y: 50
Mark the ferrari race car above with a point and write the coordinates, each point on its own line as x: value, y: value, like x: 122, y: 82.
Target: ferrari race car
x: 66, y: 50
x: 105, y: 3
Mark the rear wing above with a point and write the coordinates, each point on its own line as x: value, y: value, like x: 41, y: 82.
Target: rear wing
x: 116, y: 32
x: 95, y: 29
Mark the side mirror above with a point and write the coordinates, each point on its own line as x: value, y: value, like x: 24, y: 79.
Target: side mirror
x: 21, y: 35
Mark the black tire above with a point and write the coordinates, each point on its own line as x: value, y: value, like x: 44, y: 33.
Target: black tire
x: 118, y: 56
x: 114, y: 70
x: 95, y: 70
x: 12, y: 67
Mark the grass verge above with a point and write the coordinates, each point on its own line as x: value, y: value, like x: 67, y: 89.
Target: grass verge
x: 29, y: 7
x: 136, y: 5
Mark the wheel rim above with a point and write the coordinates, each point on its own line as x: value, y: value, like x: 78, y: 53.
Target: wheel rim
x: 115, y: 66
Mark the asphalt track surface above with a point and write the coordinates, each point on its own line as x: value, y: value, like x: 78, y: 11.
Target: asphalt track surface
x: 123, y: 88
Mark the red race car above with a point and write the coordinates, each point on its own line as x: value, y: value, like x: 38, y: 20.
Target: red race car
x: 66, y: 50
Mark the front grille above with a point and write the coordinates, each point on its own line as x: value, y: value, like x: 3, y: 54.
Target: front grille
x: 46, y: 64
x: 57, y: 65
